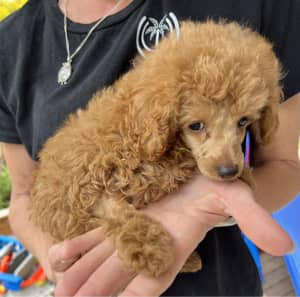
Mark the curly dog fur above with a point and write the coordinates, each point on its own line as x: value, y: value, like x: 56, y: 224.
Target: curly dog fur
x: 181, y: 111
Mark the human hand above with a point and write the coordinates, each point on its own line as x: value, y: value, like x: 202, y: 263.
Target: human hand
x: 188, y: 215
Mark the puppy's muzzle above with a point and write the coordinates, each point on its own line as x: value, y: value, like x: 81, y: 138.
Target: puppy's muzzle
x: 227, y: 171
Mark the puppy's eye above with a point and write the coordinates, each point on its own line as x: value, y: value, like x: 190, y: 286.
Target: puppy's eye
x: 197, y: 126
x: 243, y: 122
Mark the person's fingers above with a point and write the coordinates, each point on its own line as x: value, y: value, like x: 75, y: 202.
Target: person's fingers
x: 143, y: 285
x: 58, y: 265
x: 257, y: 223
x: 254, y: 221
x: 61, y: 256
x: 80, y: 272
x: 97, y: 285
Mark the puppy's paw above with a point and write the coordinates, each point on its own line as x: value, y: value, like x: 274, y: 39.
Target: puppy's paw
x: 144, y: 246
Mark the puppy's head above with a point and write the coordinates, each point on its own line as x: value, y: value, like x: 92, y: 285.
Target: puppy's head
x: 214, y: 133
x: 207, y: 88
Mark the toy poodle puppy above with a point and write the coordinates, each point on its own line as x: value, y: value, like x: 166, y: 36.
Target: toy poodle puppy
x: 182, y: 110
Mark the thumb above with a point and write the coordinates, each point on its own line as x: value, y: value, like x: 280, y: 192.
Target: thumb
x: 257, y: 223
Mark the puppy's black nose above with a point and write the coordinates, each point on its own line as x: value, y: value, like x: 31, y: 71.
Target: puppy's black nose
x: 227, y: 171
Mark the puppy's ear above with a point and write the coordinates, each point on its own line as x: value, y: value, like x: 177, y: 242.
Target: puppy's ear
x: 267, y: 125
x: 265, y: 128
x: 153, y: 124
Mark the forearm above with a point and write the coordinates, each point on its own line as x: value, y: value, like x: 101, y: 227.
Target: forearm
x: 277, y: 168
x: 277, y: 183
x: 30, y: 236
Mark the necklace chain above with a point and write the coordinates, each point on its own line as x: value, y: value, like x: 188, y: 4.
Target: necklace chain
x: 66, y: 69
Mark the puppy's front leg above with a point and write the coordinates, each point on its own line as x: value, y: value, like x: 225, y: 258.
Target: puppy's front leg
x: 142, y: 243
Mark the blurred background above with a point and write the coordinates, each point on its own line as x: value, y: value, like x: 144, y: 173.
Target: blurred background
x: 9, y: 6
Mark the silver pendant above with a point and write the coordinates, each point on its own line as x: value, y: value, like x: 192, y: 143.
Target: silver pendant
x: 64, y: 73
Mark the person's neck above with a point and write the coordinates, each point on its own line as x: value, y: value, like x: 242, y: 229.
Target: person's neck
x: 89, y: 11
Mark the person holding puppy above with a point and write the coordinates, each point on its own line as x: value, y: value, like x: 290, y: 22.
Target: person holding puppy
x: 55, y: 55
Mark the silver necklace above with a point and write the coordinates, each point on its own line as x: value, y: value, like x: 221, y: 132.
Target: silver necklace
x: 65, y: 71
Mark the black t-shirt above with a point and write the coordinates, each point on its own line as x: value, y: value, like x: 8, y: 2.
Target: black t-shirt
x: 33, y: 105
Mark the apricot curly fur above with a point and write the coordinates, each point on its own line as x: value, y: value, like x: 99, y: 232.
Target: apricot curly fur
x: 132, y: 145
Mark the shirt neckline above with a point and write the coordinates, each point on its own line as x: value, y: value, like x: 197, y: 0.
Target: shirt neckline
x: 74, y: 27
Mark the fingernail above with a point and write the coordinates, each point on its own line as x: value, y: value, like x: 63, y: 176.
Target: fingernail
x: 63, y: 265
x: 62, y: 247
x: 69, y: 261
x: 57, y: 248
x: 293, y: 250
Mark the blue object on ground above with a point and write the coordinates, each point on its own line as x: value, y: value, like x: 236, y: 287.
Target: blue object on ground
x: 289, y: 218
x: 10, y: 281
x: 4, y: 239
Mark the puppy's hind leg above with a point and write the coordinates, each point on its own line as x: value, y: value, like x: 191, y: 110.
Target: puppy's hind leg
x: 192, y: 264
x: 142, y: 243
